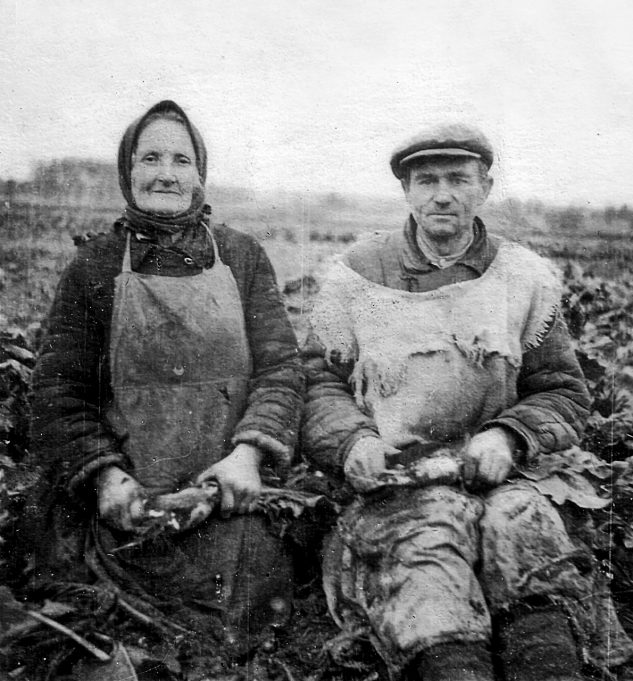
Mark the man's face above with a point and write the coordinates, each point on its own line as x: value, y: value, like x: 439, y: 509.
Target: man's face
x: 444, y: 194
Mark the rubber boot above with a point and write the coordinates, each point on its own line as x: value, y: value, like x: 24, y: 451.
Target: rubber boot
x: 456, y: 662
x: 539, y: 646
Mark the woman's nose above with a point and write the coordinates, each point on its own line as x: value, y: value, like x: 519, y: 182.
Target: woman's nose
x: 166, y: 173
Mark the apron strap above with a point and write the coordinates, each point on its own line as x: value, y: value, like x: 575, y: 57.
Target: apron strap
x: 216, y: 253
x: 127, y: 258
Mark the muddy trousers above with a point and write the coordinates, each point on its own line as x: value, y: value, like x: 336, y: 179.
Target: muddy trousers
x: 428, y: 566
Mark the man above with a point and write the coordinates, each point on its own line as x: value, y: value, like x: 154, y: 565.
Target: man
x: 439, y: 369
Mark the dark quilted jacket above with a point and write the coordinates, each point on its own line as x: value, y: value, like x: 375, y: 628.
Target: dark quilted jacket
x: 71, y: 383
x: 553, y: 398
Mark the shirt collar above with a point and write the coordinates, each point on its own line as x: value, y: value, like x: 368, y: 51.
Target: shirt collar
x: 478, y: 257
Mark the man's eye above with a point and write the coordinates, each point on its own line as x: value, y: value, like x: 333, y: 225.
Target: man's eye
x: 150, y: 158
x: 425, y: 180
x: 184, y: 161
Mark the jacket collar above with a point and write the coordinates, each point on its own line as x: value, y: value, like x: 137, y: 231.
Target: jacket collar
x: 192, y: 242
x: 478, y: 257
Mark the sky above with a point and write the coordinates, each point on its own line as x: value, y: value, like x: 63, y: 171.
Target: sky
x: 312, y: 95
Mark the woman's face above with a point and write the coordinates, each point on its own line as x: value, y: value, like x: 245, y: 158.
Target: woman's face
x: 164, y: 172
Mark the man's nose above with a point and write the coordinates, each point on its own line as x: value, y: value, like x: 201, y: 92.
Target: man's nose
x: 442, y: 198
x: 442, y: 194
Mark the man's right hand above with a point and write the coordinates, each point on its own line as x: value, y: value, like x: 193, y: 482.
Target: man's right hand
x: 120, y: 498
x: 365, y: 462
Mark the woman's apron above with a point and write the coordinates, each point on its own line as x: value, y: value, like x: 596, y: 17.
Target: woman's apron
x: 180, y: 364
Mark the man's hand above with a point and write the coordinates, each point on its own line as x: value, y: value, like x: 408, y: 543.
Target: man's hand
x: 488, y: 457
x: 365, y: 462
x: 120, y: 498
x: 238, y: 477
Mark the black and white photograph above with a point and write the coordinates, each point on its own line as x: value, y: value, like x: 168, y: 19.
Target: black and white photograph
x: 316, y: 340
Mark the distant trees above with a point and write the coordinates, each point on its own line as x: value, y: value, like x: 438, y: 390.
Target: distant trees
x: 570, y: 219
x: 517, y: 217
x: 76, y: 180
x: 66, y: 181
x: 611, y: 214
x: 574, y: 219
x: 330, y: 215
x: 335, y: 201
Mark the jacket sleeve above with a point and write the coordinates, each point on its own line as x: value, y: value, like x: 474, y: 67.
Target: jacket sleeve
x: 333, y: 422
x: 554, y: 402
x: 276, y: 389
x: 67, y: 432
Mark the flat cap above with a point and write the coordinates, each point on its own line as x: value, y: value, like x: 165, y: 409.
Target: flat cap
x: 443, y: 140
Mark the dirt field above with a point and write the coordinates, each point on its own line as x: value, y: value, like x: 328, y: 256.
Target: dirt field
x: 301, y: 240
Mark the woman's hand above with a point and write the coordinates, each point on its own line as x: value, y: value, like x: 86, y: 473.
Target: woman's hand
x: 238, y: 477
x: 120, y: 498
x: 488, y: 457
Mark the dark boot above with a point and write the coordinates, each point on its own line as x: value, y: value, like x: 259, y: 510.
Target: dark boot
x: 456, y: 662
x: 539, y: 645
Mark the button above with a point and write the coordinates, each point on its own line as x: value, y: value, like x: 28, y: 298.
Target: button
x: 179, y: 370
x: 189, y: 261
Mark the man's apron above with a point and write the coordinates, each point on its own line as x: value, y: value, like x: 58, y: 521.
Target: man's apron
x: 180, y: 364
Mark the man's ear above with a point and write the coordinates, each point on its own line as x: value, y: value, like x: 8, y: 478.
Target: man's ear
x: 487, y: 187
x: 404, y: 183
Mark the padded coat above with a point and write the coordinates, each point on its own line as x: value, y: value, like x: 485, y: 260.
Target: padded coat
x: 553, y: 403
x: 71, y: 383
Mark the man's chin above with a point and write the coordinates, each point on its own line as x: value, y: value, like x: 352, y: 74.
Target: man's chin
x: 441, y: 229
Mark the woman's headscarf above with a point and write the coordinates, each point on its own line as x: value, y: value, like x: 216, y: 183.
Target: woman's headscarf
x: 150, y: 221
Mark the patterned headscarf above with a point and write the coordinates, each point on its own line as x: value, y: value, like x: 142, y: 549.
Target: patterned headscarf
x: 143, y: 220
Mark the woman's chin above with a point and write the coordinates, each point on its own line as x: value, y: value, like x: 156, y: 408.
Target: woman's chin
x: 162, y: 208
x: 166, y: 212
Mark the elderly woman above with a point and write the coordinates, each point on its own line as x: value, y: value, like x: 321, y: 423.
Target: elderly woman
x: 167, y: 361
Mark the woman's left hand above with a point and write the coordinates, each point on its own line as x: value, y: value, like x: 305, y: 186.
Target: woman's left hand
x: 238, y: 478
